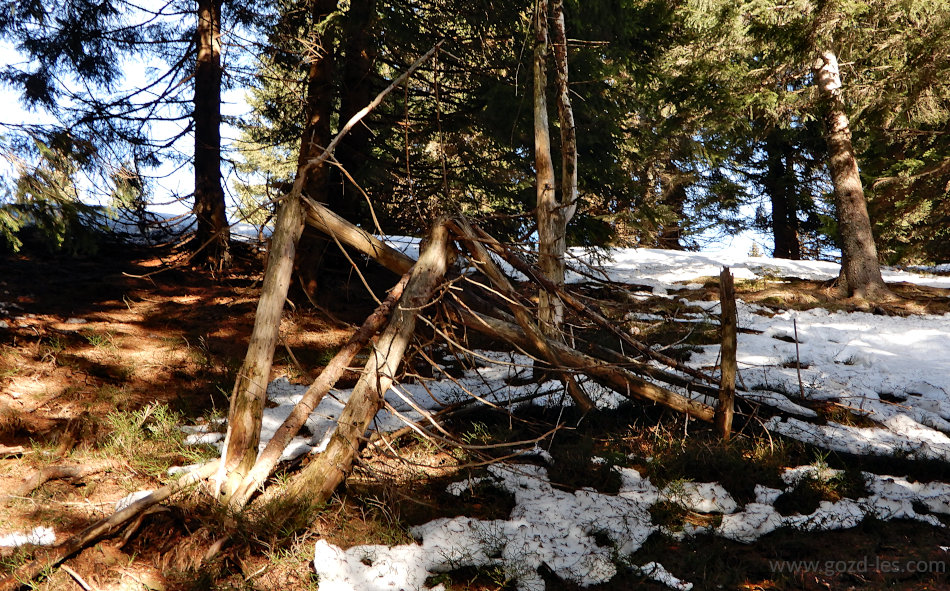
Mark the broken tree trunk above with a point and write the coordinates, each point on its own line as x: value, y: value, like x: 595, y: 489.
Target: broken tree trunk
x: 617, y: 379
x: 727, y: 362
x: 250, y: 388
x: 321, y: 477
x: 536, y: 275
x: 314, y: 394
x: 534, y: 333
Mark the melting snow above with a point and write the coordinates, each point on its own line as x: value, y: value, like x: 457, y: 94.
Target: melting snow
x: 862, y: 362
x: 38, y: 536
x: 558, y: 529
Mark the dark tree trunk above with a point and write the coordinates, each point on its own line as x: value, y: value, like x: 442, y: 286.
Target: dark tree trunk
x: 316, y: 137
x: 359, y: 54
x: 674, y: 197
x: 779, y: 182
x: 860, y: 269
x: 673, y: 194
x: 212, y: 235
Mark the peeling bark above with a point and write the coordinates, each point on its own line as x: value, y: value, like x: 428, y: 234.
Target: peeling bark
x: 860, y: 269
x: 551, y: 242
x: 727, y: 355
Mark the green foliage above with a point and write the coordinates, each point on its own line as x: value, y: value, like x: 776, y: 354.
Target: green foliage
x: 44, y: 196
x: 692, y: 118
x: 150, y: 439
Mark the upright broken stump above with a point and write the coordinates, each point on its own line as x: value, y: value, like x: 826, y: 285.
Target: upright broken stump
x: 727, y: 362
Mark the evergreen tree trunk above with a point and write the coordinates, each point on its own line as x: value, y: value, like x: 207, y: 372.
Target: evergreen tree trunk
x: 250, y: 388
x: 674, y: 197
x: 551, y: 239
x: 860, y: 270
x: 779, y: 184
x: 316, y: 137
x: 359, y: 54
x: 213, y: 234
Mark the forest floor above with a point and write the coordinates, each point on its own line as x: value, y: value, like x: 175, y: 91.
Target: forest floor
x: 103, y: 357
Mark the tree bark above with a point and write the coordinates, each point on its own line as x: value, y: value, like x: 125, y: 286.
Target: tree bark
x: 569, y: 194
x: 311, y: 399
x: 316, y: 137
x: 674, y: 197
x: 860, y: 270
x: 212, y: 236
x: 727, y: 361
x: 328, y: 222
x: 551, y: 239
x: 321, y: 477
x: 780, y: 186
x: 250, y: 387
x: 359, y: 54
x: 617, y: 379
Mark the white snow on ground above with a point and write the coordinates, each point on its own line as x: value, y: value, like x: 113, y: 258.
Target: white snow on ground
x: 38, y: 536
x: 558, y: 529
x: 894, y: 370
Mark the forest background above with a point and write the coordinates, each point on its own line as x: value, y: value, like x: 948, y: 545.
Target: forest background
x: 693, y: 119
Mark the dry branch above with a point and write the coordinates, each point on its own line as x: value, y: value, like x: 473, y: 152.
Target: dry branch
x: 320, y: 478
x: 321, y: 218
x: 314, y: 394
x: 625, y: 382
x: 618, y: 379
x: 49, y: 558
x: 535, y: 274
x: 44, y: 475
x: 11, y: 451
x: 538, y: 340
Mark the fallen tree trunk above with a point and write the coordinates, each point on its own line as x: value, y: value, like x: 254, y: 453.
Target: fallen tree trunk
x: 334, y: 226
x: 314, y: 485
x: 536, y: 275
x: 538, y: 340
x: 268, y: 459
x: 617, y: 379
x: 395, y: 261
x: 104, y: 527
